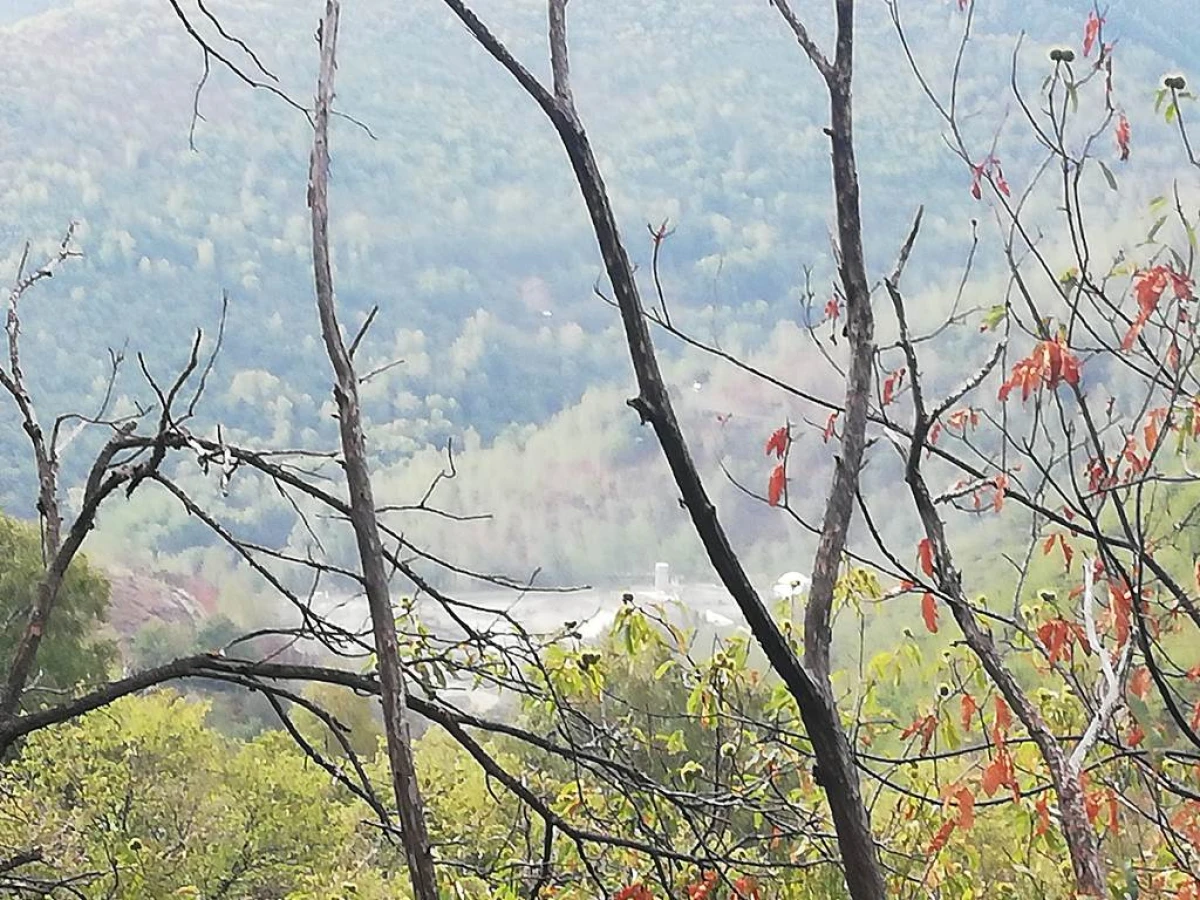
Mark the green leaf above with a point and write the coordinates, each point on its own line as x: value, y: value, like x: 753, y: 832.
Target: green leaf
x: 1108, y: 175
x: 949, y: 733
x: 994, y: 317
x: 1157, y: 225
x: 676, y: 742
x: 696, y: 699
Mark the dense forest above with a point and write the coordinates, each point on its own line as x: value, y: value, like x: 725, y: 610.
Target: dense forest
x: 506, y: 348
x: 361, y: 363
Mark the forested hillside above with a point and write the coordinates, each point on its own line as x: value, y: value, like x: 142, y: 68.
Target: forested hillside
x: 457, y: 217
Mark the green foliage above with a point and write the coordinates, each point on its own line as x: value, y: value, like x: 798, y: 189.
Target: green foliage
x: 73, y: 651
x: 921, y: 712
x: 233, y: 711
x: 157, y: 805
x: 478, y: 824
x: 358, y: 715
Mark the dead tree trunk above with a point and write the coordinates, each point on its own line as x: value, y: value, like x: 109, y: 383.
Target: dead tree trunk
x: 362, y: 503
x: 1082, y: 846
x: 831, y: 746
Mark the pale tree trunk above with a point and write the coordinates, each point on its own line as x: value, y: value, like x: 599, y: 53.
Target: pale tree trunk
x: 1082, y: 845
x: 362, y: 504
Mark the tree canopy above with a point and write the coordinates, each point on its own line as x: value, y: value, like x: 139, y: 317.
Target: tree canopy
x: 76, y: 652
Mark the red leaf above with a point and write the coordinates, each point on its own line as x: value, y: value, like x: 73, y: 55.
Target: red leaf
x: 828, y: 432
x: 1136, y: 735
x: 1121, y: 602
x: 777, y: 443
x: 968, y: 707
x: 925, y: 556
x: 1091, y: 31
x: 1043, y: 814
x: 990, y: 166
x: 833, y: 309
x: 1091, y: 804
x: 1003, y: 716
x: 891, y: 383
x: 1001, y: 184
x: 926, y: 726
x: 928, y: 730
x: 1050, y: 364
x: 702, y: 890
x: 1131, y: 336
x: 776, y: 485
x: 1067, y: 551
x: 1139, y: 682
x: 1123, y: 136
x: 1148, y: 288
x: 976, y: 177
x: 1055, y: 636
x: 994, y: 775
x: 1001, y: 484
x: 939, y: 839
x: 966, y: 808
x: 961, y: 418
x: 999, y: 772
x: 1181, y: 284
x: 929, y: 613
x: 1150, y: 433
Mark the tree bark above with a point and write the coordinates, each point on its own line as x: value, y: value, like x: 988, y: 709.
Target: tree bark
x: 362, y: 503
x: 831, y: 745
x: 1086, y: 861
x: 1082, y: 846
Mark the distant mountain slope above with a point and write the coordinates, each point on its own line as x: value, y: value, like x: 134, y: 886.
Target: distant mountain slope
x: 15, y: 10
x: 139, y: 598
x: 459, y: 219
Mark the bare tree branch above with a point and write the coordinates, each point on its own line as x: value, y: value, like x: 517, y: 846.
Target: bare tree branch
x: 362, y: 504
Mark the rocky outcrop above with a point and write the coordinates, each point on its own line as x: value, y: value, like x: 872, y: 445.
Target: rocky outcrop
x: 139, y: 597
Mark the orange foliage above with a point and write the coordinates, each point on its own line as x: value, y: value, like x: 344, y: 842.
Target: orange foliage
x: 776, y: 484
x: 929, y: 613
x: 969, y: 707
x: 1050, y: 364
